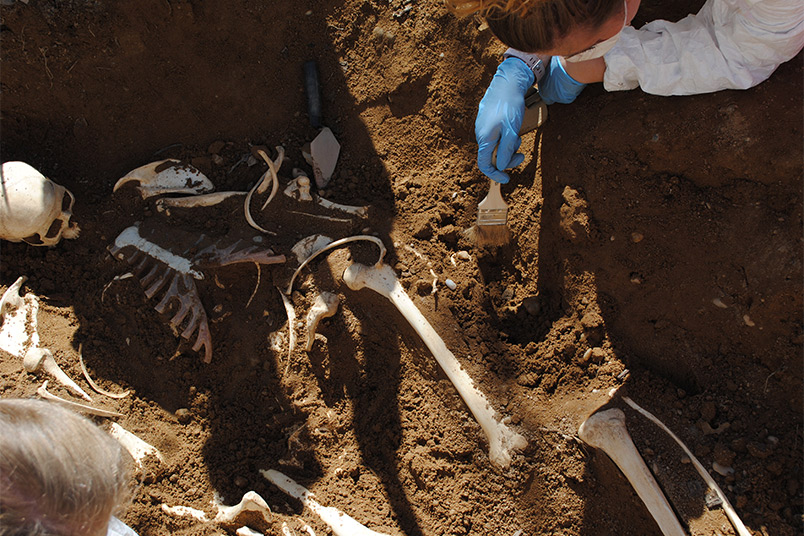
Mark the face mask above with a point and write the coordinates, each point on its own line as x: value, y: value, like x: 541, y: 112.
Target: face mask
x: 598, y: 50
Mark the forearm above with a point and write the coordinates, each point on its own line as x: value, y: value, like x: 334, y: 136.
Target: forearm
x: 586, y: 72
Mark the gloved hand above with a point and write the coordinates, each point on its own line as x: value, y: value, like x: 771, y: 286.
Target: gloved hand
x: 557, y: 85
x: 499, y: 117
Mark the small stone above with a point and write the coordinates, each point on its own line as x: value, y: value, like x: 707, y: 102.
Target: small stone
x: 183, y: 415
x: 722, y: 470
x: 216, y: 147
x: 173, y: 478
x: 463, y: 255
x: 637, y: 237
x: 451, y: 284
x: 748, y: 321
x: 708, y: 411
x: 532, y: 305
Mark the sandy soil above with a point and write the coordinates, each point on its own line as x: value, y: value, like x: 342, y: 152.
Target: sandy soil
x: 662, y: 234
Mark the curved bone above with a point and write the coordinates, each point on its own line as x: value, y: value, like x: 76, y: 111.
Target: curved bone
x: 324, y: 306
x: 167, y: 177
x: 381, y: 279
x: 309, y: 245
x: 605, y: 430
x: 337, y: 243
x: 251, y: 502
x: 42, y: 359
x: 75, y: 406
x: 92, y: 383
x: 731, y: 513
x: 340, y: 523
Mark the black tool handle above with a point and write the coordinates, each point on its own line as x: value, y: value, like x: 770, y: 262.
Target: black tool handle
x: 313, y: 91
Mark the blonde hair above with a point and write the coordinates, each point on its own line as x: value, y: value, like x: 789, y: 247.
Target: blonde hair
x: 536, y: 25
x: 60, y: 475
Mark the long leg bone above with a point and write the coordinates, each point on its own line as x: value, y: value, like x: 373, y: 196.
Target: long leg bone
x: 135, y: 446
x: 731, y: 513
x: 381, y: 279
x: 605, y: 430
x: 340, y: 523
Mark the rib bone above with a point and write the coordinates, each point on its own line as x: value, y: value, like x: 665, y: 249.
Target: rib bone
x: 381, y: 279
x: 605, y: 430
x: 47, y: 395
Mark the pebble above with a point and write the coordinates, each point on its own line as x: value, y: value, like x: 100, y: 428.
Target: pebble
x: 451, y: 284
x: 463, y: 255
x: 637, y: 237
x: 722, y: 470
x: 183, y: 415
x: 532, y: 305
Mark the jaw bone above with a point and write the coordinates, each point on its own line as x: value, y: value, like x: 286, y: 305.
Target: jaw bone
x: 167, y: 177
x: 381, y: 279
x: 605, y: 430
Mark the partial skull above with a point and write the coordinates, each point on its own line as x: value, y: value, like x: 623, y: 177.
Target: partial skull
x: 34, y: 209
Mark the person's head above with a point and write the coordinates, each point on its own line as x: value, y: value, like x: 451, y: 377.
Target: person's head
x: 60, y: 475
x: 551, y: 27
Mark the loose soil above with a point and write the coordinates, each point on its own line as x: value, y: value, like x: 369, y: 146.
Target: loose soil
x: 664, y: 234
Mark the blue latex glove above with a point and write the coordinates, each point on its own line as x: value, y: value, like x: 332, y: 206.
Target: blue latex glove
x: 557, y: 85
x: 499, y: 117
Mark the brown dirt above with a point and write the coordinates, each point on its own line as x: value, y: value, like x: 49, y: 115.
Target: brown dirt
x: 630, y: 216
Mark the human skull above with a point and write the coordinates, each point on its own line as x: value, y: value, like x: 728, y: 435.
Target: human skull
x: 34, y: 209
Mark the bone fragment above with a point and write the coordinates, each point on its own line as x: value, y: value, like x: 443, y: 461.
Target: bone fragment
x: 349, y: 209
x: 307, y: 246
x: 291, y: 313
x: 185, y: 511
x: 95, y: 385
x: 205, y: 200
x: 167, y: 177
x: 324, y: 306
x: 135, y: 446
x: 337, y: 243
x: 340, y: 523
x: 381, y: 279
x: 605, y: 430
x: 131, y: 237
x: 47, y: 395
x: 37, y: 359
x: 251, y: 502
x: 286, y: 530
x: 729, y: 510
x: 245, y: 531
x: 298, y: 188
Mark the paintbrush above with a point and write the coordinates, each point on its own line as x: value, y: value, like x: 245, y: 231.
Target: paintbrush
x: 491, y: 227
x: 492, y: 213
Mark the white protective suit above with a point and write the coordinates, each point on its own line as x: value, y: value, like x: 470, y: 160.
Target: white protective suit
x: 729, y: 44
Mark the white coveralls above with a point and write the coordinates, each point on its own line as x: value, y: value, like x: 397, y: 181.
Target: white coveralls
x: 729, y: 44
